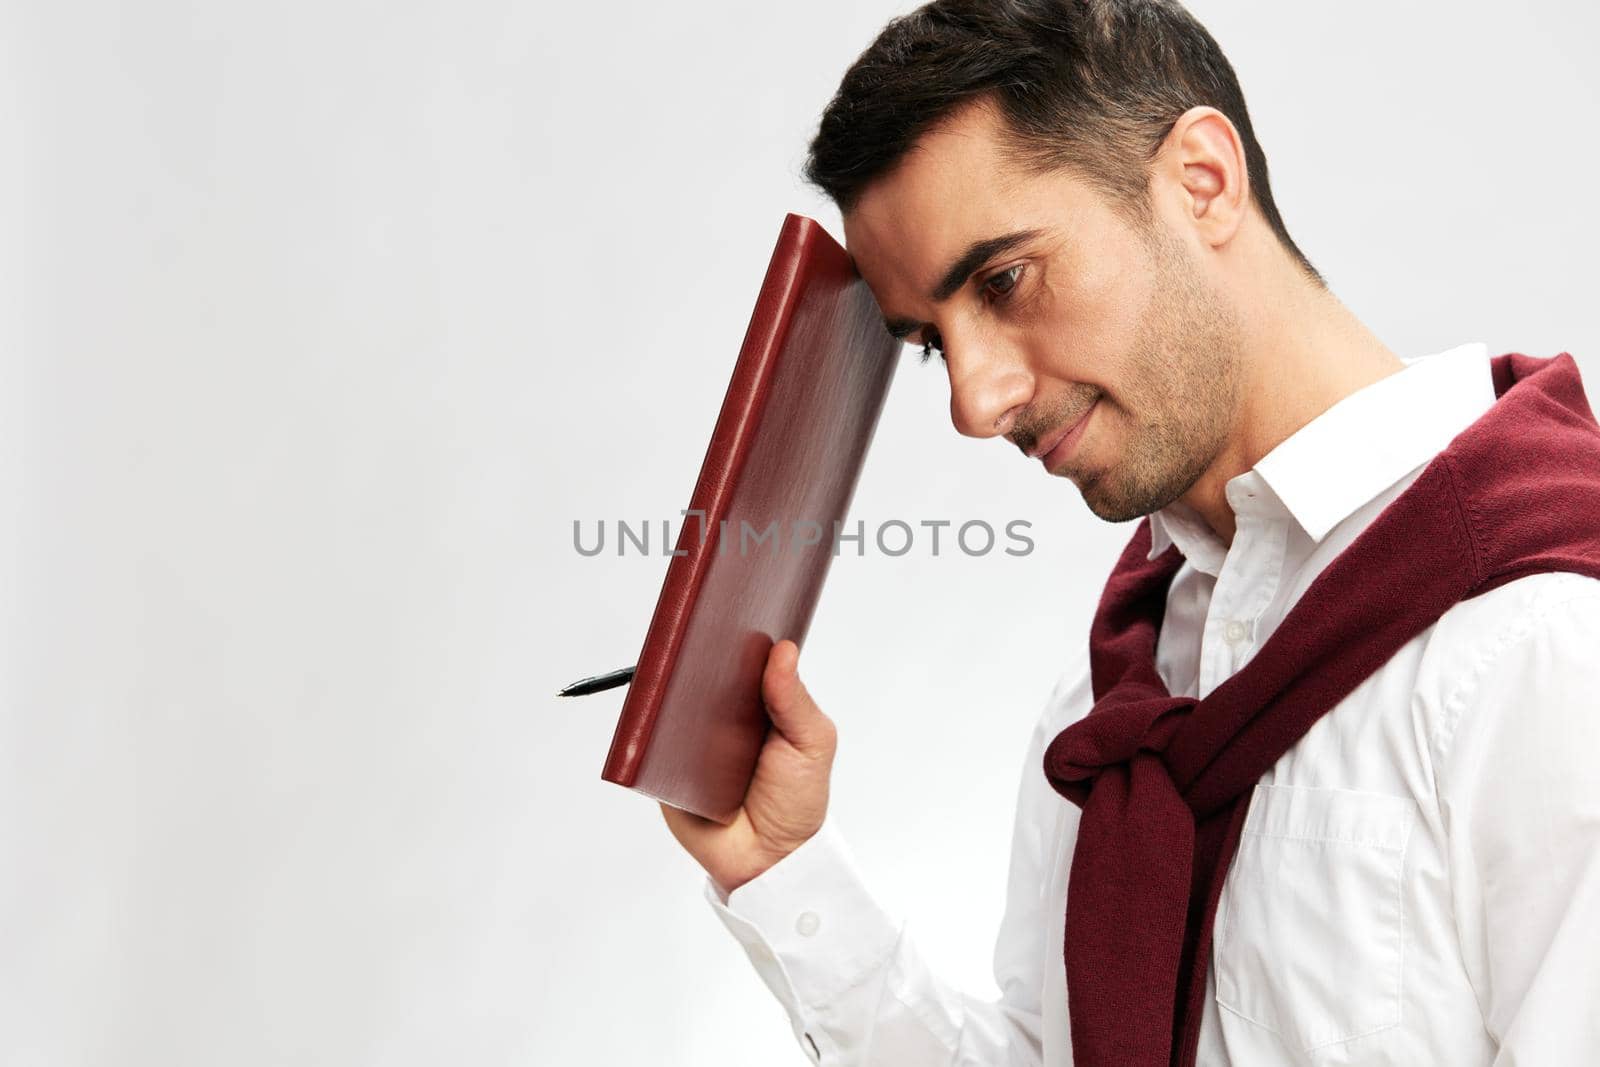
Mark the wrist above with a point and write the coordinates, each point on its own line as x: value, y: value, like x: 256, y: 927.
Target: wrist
x: 768, y: 857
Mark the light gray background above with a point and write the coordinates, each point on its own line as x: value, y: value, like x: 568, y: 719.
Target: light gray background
x: 320, y: 325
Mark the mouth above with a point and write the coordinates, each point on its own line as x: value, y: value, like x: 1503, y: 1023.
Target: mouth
x: 1059, y: 443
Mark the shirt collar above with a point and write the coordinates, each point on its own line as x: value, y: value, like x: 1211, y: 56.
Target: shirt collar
x: 1323, y: 472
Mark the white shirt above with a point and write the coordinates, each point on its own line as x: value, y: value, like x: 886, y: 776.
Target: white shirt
x: 1418, y: 880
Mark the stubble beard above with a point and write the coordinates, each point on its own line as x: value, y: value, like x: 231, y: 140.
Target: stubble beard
x: 1183, y: 392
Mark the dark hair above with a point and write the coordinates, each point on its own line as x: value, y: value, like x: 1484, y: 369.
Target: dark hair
x: 1089, y: 85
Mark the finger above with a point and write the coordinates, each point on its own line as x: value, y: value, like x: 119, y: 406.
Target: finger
x: 687, y: 827
x: 796, y: 716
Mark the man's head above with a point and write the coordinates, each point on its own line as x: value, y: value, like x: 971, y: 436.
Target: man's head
x: 1108, y: 140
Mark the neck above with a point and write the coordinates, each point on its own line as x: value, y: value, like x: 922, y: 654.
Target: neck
x: 1306, y: 353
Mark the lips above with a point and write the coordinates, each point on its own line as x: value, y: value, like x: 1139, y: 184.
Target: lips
x: 1048, y: 444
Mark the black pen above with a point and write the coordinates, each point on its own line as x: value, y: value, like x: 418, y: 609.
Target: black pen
x: 599, y: 683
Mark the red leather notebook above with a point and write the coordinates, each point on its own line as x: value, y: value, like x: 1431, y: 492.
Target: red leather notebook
x: 786, y: 452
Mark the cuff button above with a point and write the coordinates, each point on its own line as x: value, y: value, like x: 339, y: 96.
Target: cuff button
x: 807, y: 923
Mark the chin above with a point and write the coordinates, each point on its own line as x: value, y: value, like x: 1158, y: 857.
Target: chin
x: 1106, y: 504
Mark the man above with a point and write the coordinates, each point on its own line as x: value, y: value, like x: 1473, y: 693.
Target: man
x: 1066, y: 201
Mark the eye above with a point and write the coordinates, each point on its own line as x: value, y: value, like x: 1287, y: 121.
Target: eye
x: 1007, y: 282
x: 1010, y: 276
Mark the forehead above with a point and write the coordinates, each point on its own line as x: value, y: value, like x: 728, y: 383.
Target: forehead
x: 955, y: 186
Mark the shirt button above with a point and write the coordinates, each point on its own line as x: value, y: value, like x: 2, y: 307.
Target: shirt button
x: 1235, y: 631
x: 807, y: 923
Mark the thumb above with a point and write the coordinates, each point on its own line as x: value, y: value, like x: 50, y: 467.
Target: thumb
x: 794, y: 714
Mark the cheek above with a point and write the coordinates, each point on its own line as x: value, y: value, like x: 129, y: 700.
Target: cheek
x: 1099, y: 324
x: 1117, y: 292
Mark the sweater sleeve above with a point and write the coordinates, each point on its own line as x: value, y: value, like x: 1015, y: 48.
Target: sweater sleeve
x: 848, y: 972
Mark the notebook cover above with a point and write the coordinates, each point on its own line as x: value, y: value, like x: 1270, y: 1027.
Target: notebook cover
x: 788, y: 447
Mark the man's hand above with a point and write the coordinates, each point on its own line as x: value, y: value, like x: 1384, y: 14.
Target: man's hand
x: 788, y: 795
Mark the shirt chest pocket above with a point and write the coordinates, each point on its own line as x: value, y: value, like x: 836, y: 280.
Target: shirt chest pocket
x: 1310, y: 940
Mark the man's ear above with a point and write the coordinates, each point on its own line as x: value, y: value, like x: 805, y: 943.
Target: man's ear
x: 1202, y: 172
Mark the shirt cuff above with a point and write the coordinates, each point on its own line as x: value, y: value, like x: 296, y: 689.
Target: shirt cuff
x: 808, y: 923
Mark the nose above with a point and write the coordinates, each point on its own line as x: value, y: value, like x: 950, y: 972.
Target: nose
x: 987, y: 391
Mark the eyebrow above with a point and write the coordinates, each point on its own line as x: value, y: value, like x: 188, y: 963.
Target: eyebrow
x: 966, y: 265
